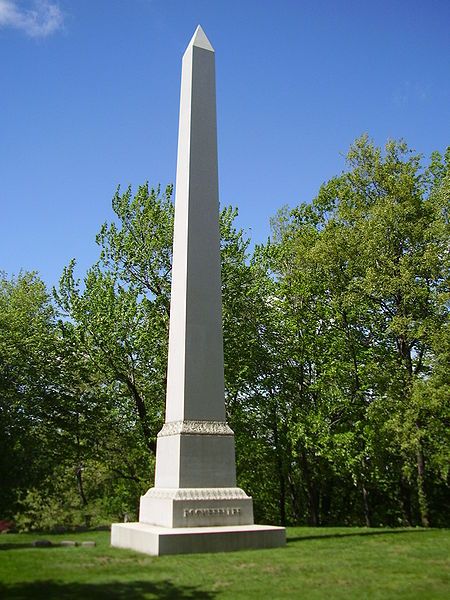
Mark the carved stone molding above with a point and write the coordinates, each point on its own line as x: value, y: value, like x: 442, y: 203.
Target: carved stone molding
x: 197, y: 493
x: 195, y: 428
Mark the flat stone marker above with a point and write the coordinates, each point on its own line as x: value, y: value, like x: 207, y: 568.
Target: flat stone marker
x: 67, y: 543
x: 195, y: 505
x: 42, y: 544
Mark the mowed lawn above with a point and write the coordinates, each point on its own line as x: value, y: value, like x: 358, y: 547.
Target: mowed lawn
x: 316, y: 563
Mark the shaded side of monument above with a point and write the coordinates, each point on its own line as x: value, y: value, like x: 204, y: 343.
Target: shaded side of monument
x: 195, y: 505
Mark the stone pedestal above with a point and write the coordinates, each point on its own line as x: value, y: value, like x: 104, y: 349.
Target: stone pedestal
x: 192, y: 507
x: 195, y: 454
x: 187, y: 540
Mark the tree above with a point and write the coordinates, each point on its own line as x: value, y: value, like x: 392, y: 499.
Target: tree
x: 27, y: 367
x: 367, y: 259
x: 120, y: 318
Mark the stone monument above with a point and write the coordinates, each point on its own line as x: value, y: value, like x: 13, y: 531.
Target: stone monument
x: 195, y: 505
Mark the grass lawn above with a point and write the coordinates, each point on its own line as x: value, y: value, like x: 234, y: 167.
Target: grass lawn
x: 330, y: 563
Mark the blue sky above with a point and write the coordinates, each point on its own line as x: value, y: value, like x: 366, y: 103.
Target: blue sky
x: 89, y: 93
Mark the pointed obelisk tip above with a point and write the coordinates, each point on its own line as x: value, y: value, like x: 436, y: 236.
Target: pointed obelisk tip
x: 200, y: 40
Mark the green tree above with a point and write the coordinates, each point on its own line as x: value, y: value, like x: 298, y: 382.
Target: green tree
x: 119, y: 321
x: 27, y: 368
x: 362, y: 274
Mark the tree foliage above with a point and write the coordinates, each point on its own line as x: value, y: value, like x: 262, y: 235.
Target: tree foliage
x: 336, y: 343
x: 363, y: 277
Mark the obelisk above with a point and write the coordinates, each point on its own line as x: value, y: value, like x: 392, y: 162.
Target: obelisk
x: 195, y: 505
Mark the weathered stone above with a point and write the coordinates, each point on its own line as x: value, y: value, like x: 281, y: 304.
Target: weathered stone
x: 42, y: 543
x: 67, y: 543
x: 88, y: 544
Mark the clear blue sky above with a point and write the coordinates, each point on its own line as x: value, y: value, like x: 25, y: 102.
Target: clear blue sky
x: 89, y: 93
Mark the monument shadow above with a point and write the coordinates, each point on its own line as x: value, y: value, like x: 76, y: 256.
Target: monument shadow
x: 134, y: 590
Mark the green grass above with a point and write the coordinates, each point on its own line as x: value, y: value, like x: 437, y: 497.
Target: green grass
x: 331, y: 563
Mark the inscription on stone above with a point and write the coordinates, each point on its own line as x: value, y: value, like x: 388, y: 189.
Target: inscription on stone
x: 206, y: 512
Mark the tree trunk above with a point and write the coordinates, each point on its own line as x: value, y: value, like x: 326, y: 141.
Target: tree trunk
x: 79, y: 469
x: 312, y: 492
x: 142, y: 412
x: 325, y: 501
x: 280, y: 469
x: 294, y: 500
x: 405, y: 352
x: 423, y: 500
x: 365, y: 497
x: 405, y: 502
x: 282, y: 492
x: 79, y: 474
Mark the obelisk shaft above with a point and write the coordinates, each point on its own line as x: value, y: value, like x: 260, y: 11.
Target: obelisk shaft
x: 195, y: 448
x: 195, y: 385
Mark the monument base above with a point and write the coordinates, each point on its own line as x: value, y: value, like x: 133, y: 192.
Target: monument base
x: 187, y: 540
x: 191, y: 507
